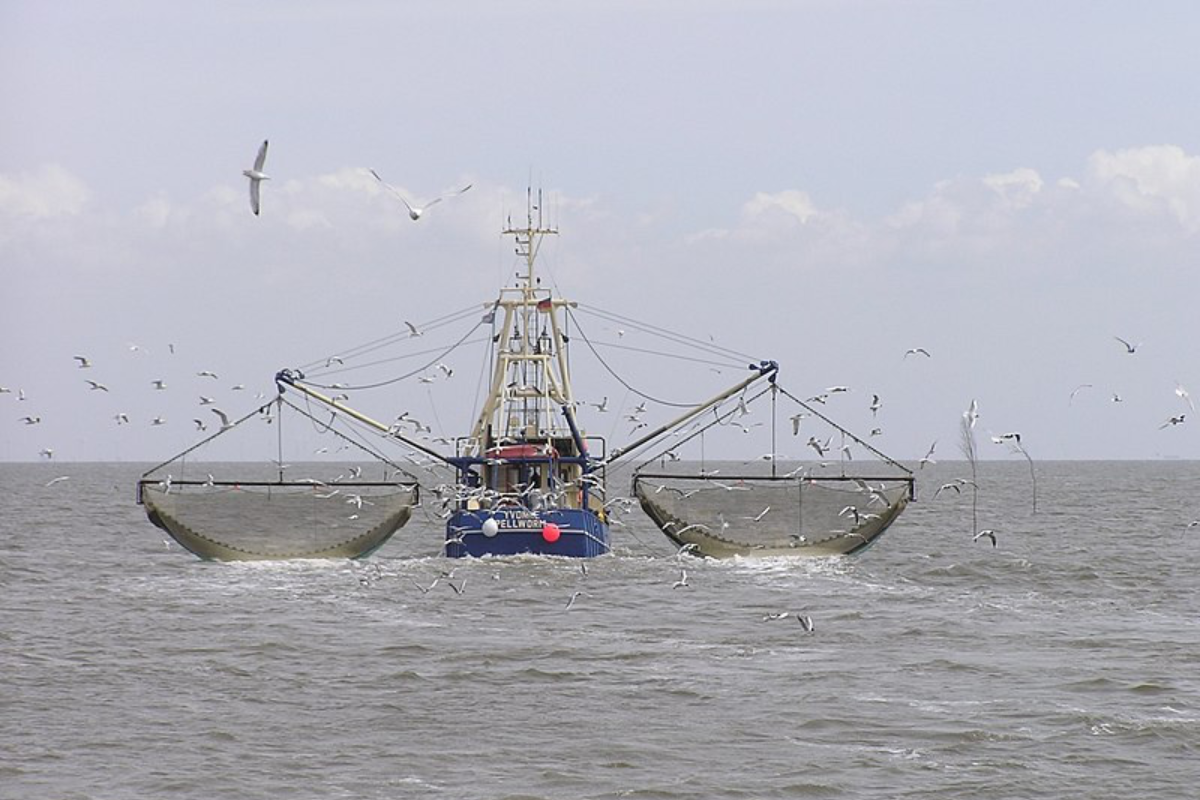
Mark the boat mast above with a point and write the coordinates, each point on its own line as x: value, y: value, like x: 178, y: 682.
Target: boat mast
x: 531, y: 374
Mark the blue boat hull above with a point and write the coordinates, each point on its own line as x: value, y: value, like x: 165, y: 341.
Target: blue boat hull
x: 581, y: 534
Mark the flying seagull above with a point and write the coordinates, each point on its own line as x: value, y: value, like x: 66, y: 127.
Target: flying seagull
x: 257, y: 176
x: 1183, y: 393
x: 97, y: 386
x: 928, y: 458
x: 971, y: 415
x: 758, y: 517
x: 946, y: 486
x: 796, y: 420
x: 84, y: 363
x: 912, y: 351
x: 988, y: 534
x: 415, y: 212
x: 1076, y: 391
x: 1172, y: 421
x: 1129, y: 348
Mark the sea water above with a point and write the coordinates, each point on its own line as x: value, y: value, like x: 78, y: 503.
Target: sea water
x: 1064, y: 662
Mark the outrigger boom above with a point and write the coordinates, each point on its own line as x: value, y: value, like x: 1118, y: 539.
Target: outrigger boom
x: 294, y: 379
x: 764, y: 369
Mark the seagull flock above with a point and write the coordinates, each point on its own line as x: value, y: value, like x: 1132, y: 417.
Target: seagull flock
x: 255, y: 175
x: 151, y: 388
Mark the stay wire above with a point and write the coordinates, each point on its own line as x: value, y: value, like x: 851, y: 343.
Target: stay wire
x: 884, y: 457
x: 719, y: 418
x: 392, y: 338
x: 729, y: 363
x: 670, y: 335
x: 350, y: 440
x: 442, y: 354
x: 618, y: 378
x: 392, y: 359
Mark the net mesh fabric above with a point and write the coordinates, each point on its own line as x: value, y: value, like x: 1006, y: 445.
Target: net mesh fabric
x: 771, y: 516
x: 244, y: 522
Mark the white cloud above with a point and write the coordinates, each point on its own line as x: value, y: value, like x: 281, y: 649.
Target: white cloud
x: 1148, y: 179
x: 49, y: 191
x: 155, y: 212
x: 790, y: 202
x: 1017, y: 189
x: 771, y: 216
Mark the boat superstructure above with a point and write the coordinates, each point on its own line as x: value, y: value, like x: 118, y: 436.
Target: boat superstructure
x: 528, y: 480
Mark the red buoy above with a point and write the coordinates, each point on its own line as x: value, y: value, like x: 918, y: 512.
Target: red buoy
x: 550, y: 532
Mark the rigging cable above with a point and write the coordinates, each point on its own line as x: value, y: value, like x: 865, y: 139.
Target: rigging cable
x: 618, y: 378
x: 442, y: 354
x: 843, y: 431
x: 678, y: 338
x: 391, y: 338
x: 346, y: 437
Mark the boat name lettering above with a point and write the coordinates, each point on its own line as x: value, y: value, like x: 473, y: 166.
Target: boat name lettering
x: 519, y: 522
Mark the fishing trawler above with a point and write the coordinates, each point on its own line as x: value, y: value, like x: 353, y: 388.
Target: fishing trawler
x: 527, y: 478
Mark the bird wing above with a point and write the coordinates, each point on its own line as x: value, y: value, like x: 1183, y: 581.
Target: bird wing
x: 254, y: 204
x: 261, y: 158
x: 455, y: 193
x: 1182, y: 392
x: 393, y: 190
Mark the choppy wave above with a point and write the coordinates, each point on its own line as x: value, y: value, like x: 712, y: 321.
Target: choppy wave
x: 1060, y: 663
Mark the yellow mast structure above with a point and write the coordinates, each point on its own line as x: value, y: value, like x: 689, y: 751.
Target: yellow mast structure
x: 531, y: 377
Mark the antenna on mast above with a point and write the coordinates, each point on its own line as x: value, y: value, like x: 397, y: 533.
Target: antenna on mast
x: 529, y: 238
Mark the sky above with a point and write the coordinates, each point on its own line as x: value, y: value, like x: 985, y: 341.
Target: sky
x: 1008, y: 185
